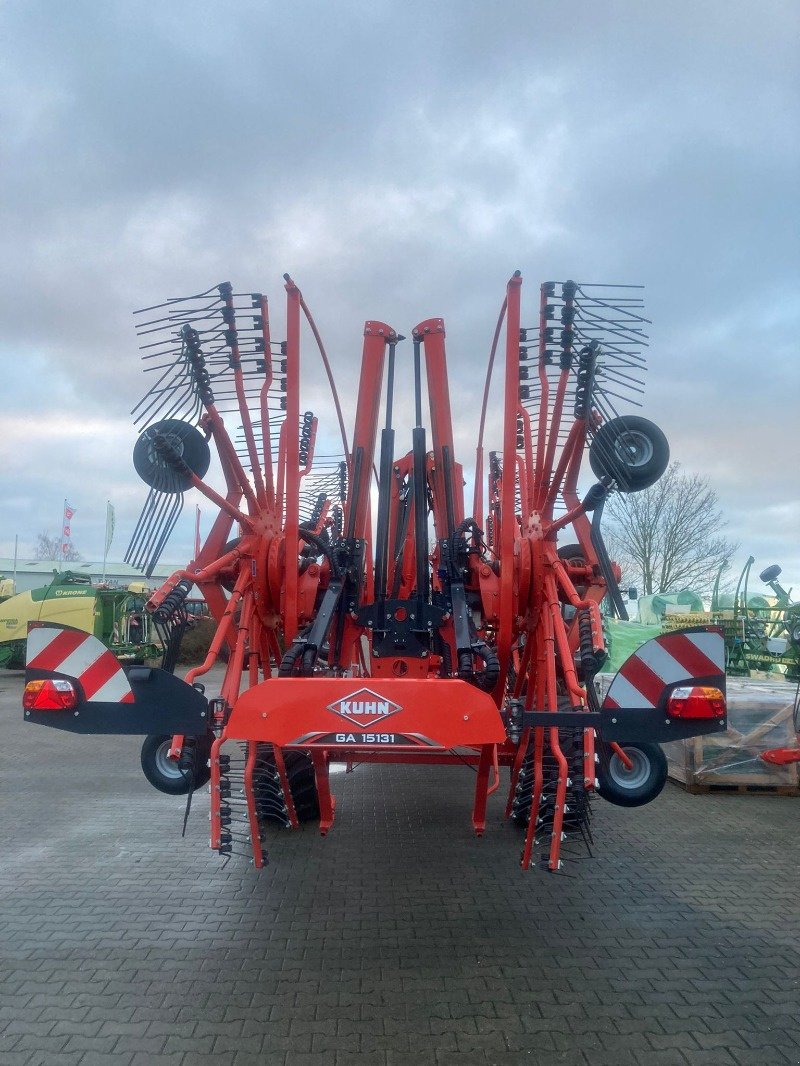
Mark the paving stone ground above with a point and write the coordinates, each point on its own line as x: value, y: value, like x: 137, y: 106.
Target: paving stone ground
x: 399, y: 938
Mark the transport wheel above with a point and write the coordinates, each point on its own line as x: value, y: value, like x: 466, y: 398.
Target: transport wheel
x: 772, y: 573
x: 632, y: 450
x: 170, y: 776
x: 637, y: 786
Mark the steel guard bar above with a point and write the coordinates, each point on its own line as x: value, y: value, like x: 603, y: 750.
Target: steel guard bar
x: 326, y: 712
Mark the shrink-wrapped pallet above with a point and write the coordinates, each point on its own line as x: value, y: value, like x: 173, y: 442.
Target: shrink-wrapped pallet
x: 759, y: 718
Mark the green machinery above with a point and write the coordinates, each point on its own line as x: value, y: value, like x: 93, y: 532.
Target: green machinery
x: 115, y: 616
x: 766, y: 631
x: 761, y: 632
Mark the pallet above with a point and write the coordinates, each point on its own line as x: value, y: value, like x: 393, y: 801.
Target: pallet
x: 701, y: 788
x: 759, y: 718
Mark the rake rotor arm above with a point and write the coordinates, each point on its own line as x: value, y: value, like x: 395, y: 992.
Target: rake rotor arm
x: 329, y: 373
x: 263, y: 400
x: 477, y: 502
x: 508, y: 522
x: 229, y: 316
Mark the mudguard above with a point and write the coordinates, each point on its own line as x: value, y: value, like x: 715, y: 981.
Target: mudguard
x: 636, y: 706
x: 138, y: 700
x: 345, y: 712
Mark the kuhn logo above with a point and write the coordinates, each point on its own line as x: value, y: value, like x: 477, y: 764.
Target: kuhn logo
x: 364, y: 708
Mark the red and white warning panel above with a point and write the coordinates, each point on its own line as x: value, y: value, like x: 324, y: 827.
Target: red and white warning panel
x: 73, y: 682
x: 328, y: 712
x: 73, y: 653
x: 672, y: 658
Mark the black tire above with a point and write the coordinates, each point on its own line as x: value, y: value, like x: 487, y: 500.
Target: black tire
x: 167, y: 775
x: 302, y: 784
x: 573, y: 553
x: 632, y: 450
x: 772, y: 573
x: 635, y: 787
x: 153, y: 468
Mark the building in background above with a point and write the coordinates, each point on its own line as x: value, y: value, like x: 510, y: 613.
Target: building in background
x: 39, y: 572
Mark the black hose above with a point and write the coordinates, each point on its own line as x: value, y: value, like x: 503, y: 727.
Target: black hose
x: 172, y: 602
x: 324, y: 549
x: 290, y: 658
x: 591, y: 661
x: 485, y: 679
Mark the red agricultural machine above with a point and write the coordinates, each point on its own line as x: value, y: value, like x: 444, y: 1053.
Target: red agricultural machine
x: 368, y: 614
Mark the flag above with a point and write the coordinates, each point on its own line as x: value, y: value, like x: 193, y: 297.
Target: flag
x: 66, y: 529
x: 109, y: 525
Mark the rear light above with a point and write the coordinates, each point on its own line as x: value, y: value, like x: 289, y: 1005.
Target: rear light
x: 697, y: 701
x: 50, y: 695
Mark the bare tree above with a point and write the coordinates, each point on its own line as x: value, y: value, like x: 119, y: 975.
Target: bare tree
x: 668, y: 538
x: 49, y: 547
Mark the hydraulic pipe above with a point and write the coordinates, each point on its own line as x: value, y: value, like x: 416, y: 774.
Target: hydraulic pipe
x: 385, y: 487
x: 419, y: 449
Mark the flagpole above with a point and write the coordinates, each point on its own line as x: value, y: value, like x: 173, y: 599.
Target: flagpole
x: 110, y: 522
x: 60, y: 552
x: 16, y: 545
x: 105, y: 549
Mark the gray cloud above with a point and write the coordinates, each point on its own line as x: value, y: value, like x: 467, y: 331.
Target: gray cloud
x: 401, y: 160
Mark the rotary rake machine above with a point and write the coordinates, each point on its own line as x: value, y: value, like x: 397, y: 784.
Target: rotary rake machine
x: 417, y: 633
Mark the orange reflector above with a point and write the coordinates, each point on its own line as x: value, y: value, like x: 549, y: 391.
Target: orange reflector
x: 698, y: 701
x: 51, y: 695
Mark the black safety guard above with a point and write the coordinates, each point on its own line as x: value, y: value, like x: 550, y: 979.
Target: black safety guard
x: 619, y: 724
x: 163, y: 704
x: 649, y: 724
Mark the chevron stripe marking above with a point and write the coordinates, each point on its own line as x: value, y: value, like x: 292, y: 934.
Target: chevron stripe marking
x: 56, y: 650
x: 115, y: 690
x: 99, y: 673
x: 85, y: 656
x: 624, y: 694
x: 82, y: 656
x: 685, y: 649
x: 637, y: 673
x: 659, y: 658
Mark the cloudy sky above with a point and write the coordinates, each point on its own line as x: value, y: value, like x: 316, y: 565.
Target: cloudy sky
x: 400, y: 159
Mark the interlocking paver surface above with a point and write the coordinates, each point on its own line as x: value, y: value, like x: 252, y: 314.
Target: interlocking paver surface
x: 399, y: 939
